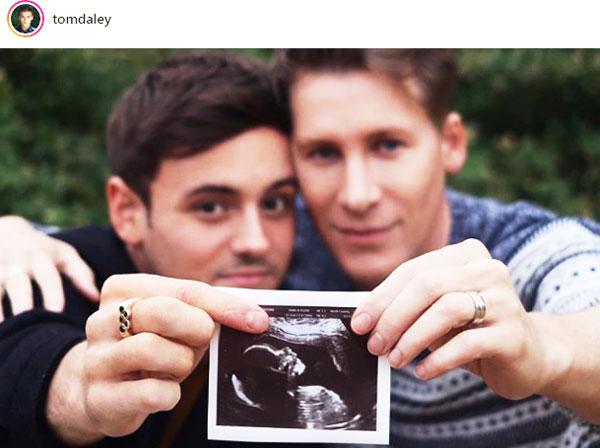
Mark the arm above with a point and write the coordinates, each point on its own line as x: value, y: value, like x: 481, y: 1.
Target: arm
x: 27, y: 254
x: 575, y: 339
x: 172, y: 324
x: 31, y: 345
x: 425, y: 304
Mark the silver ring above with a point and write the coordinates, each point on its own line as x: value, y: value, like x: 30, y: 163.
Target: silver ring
x: 125, y: 315
x: 480, y: 308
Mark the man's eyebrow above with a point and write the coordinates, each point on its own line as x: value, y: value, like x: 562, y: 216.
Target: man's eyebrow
x: 380, y: 132
x: 288, y: 181
x: 312, y: 143
x: 212, y: 188
x: 225, y: 189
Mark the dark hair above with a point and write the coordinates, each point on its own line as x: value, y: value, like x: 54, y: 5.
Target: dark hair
x: 24, y: 8
x: 433, y: 70
x: 187, y: 105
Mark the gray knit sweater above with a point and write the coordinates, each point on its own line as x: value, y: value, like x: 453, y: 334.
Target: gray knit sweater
x: 555, y: 267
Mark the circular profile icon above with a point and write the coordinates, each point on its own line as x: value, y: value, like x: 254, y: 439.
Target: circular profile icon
x: 25, y: 18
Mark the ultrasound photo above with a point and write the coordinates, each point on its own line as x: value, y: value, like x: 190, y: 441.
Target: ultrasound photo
x: 308, y: 371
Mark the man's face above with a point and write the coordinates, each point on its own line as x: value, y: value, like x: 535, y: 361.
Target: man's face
x: 371, y: 166
x: 225, y: 216
x: 25, y: 17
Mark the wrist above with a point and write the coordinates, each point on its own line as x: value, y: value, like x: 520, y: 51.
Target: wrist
x: 65, y: 408
x: 557, y: 353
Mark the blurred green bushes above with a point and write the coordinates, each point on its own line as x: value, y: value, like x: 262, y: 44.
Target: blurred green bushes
x: 533, y: 117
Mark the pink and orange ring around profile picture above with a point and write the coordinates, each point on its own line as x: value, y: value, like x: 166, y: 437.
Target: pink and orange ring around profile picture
x: 32, y: 16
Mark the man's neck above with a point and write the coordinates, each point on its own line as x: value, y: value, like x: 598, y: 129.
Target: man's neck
x: 138, y: 259
x: 439, y: 230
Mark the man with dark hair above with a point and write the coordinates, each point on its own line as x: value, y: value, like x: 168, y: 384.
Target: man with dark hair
x: 374, y: 137
x: 187, y: 199
x: 26, y: 15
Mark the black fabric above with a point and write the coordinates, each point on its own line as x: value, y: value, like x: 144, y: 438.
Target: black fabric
x: 33, y: 343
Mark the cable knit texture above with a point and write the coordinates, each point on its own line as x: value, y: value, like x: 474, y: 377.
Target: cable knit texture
x: 555, y: 267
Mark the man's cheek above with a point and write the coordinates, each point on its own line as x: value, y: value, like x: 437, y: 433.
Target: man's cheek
x: 322, y: 193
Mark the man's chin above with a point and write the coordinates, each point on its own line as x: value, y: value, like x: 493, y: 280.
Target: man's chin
x: 368, y: 269
x: 248, y: 281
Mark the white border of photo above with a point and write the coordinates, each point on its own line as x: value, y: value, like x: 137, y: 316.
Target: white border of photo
x: 294, y: 435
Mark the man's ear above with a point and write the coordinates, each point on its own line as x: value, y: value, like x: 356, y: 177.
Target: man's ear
x: 454, y: 143
x: 127, y: 211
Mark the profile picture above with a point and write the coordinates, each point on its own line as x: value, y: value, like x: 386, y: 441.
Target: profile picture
x: 26, y: 18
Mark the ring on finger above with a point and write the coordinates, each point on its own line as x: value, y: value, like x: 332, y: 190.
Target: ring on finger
x: 125, y: 316
x: 480, y: 308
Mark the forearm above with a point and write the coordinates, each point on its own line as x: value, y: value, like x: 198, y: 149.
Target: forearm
x: 572, y: 345
x: 65, y: 408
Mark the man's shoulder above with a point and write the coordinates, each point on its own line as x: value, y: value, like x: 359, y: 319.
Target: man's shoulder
x: 502, y: 227
x: 91, y: 240
x: 493, y: 220
x: 27, y: 31
x: 468, y: 209
x: 101, y: 248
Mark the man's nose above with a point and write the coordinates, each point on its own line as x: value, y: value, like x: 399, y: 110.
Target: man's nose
x: 360, y: 191
x: 251, y: 238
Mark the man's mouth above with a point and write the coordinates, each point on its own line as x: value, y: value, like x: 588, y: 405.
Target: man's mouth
x: 246, y: 277
x: 364, y: 234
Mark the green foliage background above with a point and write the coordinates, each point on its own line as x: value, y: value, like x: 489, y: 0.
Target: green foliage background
x: 533, y: 117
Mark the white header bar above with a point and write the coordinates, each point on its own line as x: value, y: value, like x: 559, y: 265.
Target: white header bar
x: 307, y: 23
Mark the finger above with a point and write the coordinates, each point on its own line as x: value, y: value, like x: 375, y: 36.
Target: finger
x: 48, y: 279
x: 366, y: 314
x: 1, y: 306
x: 18, y: 288
x: 72, y: 265
x: 451, y: 311
x: 121, y: 408
x: 223, y: 307
x: 165, y: 316
x: 145, y: 352
x: 424, y: 289
x: 466, y: 347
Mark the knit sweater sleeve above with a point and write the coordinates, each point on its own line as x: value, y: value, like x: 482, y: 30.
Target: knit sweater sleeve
x: 553, y: 261
x: 31, y: 347
x: 558, y: 269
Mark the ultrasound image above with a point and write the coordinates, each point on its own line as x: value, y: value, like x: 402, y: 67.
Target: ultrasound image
x: 309, y: 370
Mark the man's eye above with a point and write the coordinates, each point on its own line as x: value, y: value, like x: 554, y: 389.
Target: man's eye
x: 210, y: 208
x: 277, y: 204
x: 325, y: 153
x: 389, y: 145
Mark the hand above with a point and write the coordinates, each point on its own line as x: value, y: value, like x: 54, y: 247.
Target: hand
x: 424, y: 304
x: 26, y: 254
x: 123, y: 380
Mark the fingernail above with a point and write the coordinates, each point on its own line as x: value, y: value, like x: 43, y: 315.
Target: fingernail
x: 395, y: 358
x: 420, y: 371
x: 361, y: 323
x: 257, y: 320
x: 376, y: 344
